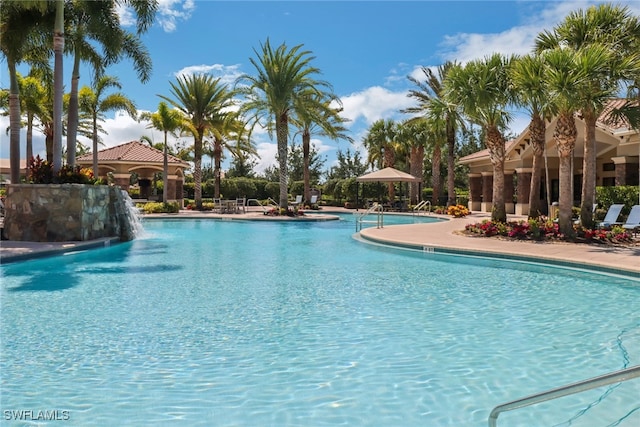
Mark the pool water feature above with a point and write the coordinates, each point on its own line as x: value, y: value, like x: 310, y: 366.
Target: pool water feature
x: 230, y: 323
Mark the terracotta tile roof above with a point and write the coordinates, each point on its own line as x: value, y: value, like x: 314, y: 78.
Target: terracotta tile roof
x: 609, y: 121
x: 131, y: 152
x: 485, y: 153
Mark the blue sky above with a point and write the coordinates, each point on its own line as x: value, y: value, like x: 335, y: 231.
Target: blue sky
x: 365, y: 50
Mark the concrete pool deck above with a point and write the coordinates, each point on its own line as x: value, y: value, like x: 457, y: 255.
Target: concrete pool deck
x: 441, y: 236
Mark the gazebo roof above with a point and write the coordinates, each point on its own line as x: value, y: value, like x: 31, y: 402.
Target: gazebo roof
x: 131, y: 152
x: 387, y: 175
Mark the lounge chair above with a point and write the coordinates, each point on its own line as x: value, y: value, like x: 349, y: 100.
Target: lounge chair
x: 611, y: 218
x: 297, y: 201
x: 633, y: 220
x: 314, y: 199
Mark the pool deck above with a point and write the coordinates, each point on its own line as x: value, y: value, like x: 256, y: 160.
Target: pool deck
x: 441, y: 236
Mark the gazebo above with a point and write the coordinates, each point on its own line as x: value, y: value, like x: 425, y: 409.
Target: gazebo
x: 135, y: 157
x: 388, y: 175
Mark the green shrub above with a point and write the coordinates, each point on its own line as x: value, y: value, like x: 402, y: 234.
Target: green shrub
x: 158, y: 207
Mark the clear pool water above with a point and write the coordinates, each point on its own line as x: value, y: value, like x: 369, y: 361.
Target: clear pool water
x: 225, y: 323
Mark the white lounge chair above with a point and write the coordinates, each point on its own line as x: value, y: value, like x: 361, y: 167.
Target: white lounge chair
x: 314, y: 199
x: 633, y: 220
x: 611, y: 218
x: 297, y: 201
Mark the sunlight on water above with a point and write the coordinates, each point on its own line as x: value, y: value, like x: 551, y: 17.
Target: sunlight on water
x: 267, y: 324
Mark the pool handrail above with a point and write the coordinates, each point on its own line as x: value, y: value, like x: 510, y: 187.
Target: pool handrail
x: 378, y: 209
x: 580, y: 386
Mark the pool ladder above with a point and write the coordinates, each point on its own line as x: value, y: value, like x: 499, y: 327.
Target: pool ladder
x: 376, y: 208
x: 423, y: 205
x: 584, y: 385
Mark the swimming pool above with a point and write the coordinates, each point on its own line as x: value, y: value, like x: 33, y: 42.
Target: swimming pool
x: 232, y: 323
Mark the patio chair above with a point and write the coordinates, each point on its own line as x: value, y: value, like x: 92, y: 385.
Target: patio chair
x: 217, y: 205
x: 611, y: 218
x: 297, y: 201
x: 633, y: 220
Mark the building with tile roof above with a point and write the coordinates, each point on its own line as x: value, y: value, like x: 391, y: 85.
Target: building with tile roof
x: 618, y: 153
x: 135, y: 157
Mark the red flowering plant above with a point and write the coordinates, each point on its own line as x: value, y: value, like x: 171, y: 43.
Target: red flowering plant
x: 41, y: 172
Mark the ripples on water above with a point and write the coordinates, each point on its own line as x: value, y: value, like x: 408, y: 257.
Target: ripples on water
x: 237, y: 324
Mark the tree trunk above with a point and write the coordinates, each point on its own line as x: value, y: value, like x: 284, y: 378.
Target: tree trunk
x: 389, y: 162
x: 588, y: 170
x: 416, y: 162
x: 435, y: 174
x: 217, y: 161
x: 495, y: 143
x: 58, y: 89
x: 197, y: 168
x: 72, y: 119
x: 451, y: 164
x: 306, y: 153
x: 14, y: 124
x: 95, y: 145
x: 537, y: 131
x: 565, y: 135
x: 282, y: 131
x: 165, y: 171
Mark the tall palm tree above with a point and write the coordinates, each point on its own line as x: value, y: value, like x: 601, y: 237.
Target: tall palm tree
x: 98, y: 22
x: 58, y: 88
x: 283, y: 75
x: 416, y: 135
x: 382, y: 144
x: 315, y: 116
x: 95, y: 101
x: 617, y: 30
x: 166, y: 121
x: 527, y: 76
x: 199, y: 97
x: 566, y: 76
x: 432, y: 102
x: 23, y: 39
x: 226, y: 128
x: 481, y: 88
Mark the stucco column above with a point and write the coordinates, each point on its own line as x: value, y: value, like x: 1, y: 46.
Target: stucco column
x: 626, y: 170
x: 523, y: 190
x: 122, y: 179
x: 487, y: 192
x: 179, y: 195
x: 509, y: 205
x: 171, y: 188
x: 475, y: 191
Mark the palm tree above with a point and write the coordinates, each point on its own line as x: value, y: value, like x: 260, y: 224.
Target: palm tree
x: 382, y: 143
x: 226, y: 128
x: 566, y: 76
x: 432, y: 103
x: 58, y: 88
x: 315, y: 116
x: 284, y: 75
x: 527, y: 76
x: 99, y: 22
x: 415, y: 135
x: 23, y: 39
x: 95, y: 102
x: 199, y: 97
x: 166, y: 121
x: 617, y: 30
x: 481, y: 88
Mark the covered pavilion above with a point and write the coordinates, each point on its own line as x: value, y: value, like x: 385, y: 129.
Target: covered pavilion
x: 135, y: 157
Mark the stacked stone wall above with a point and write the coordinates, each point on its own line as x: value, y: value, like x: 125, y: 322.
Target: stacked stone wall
x: 65, y: 212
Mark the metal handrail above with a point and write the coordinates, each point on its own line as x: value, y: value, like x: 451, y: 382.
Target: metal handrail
x: 422, y: 205
x: 376, y: 207
x: 580, y: 386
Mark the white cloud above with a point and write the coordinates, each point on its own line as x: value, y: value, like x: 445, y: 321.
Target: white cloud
x: 374, y: 103
x: 226, y: 73
x: 170, y: 13
x: 267, y: 152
